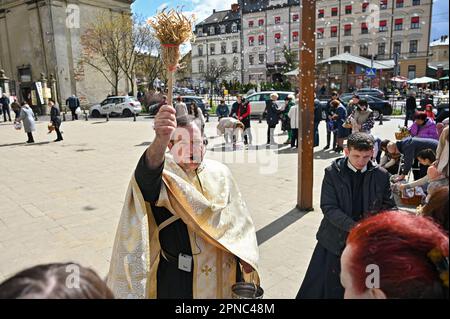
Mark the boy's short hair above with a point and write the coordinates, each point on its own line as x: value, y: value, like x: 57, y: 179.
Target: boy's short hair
x: 360, y: 142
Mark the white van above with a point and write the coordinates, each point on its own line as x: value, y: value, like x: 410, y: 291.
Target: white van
x: 117, y: 105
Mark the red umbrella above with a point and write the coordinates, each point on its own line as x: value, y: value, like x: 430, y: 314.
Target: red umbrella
x: 399, y: 79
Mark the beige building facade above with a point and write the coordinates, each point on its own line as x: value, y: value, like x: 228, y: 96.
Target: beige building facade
x: 218, y: 42
x: 376, y: 28
x: 382, y: 29
x: 268, y: 27
x: 43, y: 37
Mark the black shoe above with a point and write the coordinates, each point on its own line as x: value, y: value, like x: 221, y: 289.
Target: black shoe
x: 58, y: 140
x: 338, y: 149
x: 29, y: 142
x: 326, y: 147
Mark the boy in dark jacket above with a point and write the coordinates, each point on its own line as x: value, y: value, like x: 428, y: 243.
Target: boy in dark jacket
x: 352, y: 188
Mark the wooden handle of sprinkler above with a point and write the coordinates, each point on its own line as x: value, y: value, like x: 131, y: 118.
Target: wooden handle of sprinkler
x: 170, y: 88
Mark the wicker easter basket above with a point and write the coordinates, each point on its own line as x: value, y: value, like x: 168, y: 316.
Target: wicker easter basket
x: 416, y: 200
x: 413, y: 201
x: 403, y: 133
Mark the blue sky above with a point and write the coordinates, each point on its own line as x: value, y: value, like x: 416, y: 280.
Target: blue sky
x: 203, y: 8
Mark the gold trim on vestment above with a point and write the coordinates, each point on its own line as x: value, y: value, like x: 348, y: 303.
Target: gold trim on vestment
x: 214, y: 211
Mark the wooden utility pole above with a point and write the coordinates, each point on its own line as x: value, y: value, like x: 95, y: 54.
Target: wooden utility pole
x: 306, y: 103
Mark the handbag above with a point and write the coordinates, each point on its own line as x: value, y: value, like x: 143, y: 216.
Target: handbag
x: 17, y: 125
x: 78, y: 111
x: 50, y: 127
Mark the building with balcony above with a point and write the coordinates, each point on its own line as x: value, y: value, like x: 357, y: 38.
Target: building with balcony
x: 268, y: 27
x: 218, y: 42
x: 378, y: 29
x: 438, y: 66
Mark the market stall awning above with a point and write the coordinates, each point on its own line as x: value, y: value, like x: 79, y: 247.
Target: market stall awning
x: 292, y: 73
x: 350, y: 58
x: 422, y: 80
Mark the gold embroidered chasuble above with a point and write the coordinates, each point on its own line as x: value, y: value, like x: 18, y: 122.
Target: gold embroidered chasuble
x: 220, y: 227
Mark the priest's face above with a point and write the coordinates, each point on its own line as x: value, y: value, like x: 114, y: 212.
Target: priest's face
x: 188, y: 148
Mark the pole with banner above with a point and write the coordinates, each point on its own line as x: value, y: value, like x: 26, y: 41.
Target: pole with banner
x: 306, y: 107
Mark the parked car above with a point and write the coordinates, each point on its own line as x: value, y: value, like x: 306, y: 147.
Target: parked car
x: 345, y: 96
x: 377, y: 105
x: 201, y: 103
x: 372, y: 92
x: 258, y: 101
x: 186, y: 91
x: 116, y: 105
x: 183, y: 91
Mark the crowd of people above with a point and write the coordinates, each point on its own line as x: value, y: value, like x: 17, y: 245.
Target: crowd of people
x: 185, y: 231
x: 275, y: 113
x: 25, y: 116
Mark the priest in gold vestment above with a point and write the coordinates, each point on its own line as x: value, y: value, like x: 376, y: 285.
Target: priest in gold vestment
x: 185, y: 231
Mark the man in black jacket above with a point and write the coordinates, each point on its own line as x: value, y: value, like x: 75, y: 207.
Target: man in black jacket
x: 317, y: 119
x: 4, y: 105
x: 411, y: 107
x: 73, y: 103
x: 428, y: 99
x: 409, y: 148
x: 352, y: 188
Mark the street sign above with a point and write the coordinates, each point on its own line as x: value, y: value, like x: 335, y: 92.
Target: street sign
x: 371, y: 72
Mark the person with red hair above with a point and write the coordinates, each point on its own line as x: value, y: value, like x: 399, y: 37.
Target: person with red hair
x: 429, y: 112
x: 396, y: 255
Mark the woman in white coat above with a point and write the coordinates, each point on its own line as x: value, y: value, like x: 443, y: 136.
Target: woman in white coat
x: 27, y: 118
x: 293, y: 115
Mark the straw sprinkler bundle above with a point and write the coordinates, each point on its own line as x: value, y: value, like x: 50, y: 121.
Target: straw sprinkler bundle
x: 172, y: 29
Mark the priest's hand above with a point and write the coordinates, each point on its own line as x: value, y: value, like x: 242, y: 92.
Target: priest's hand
x: 165, y: 124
